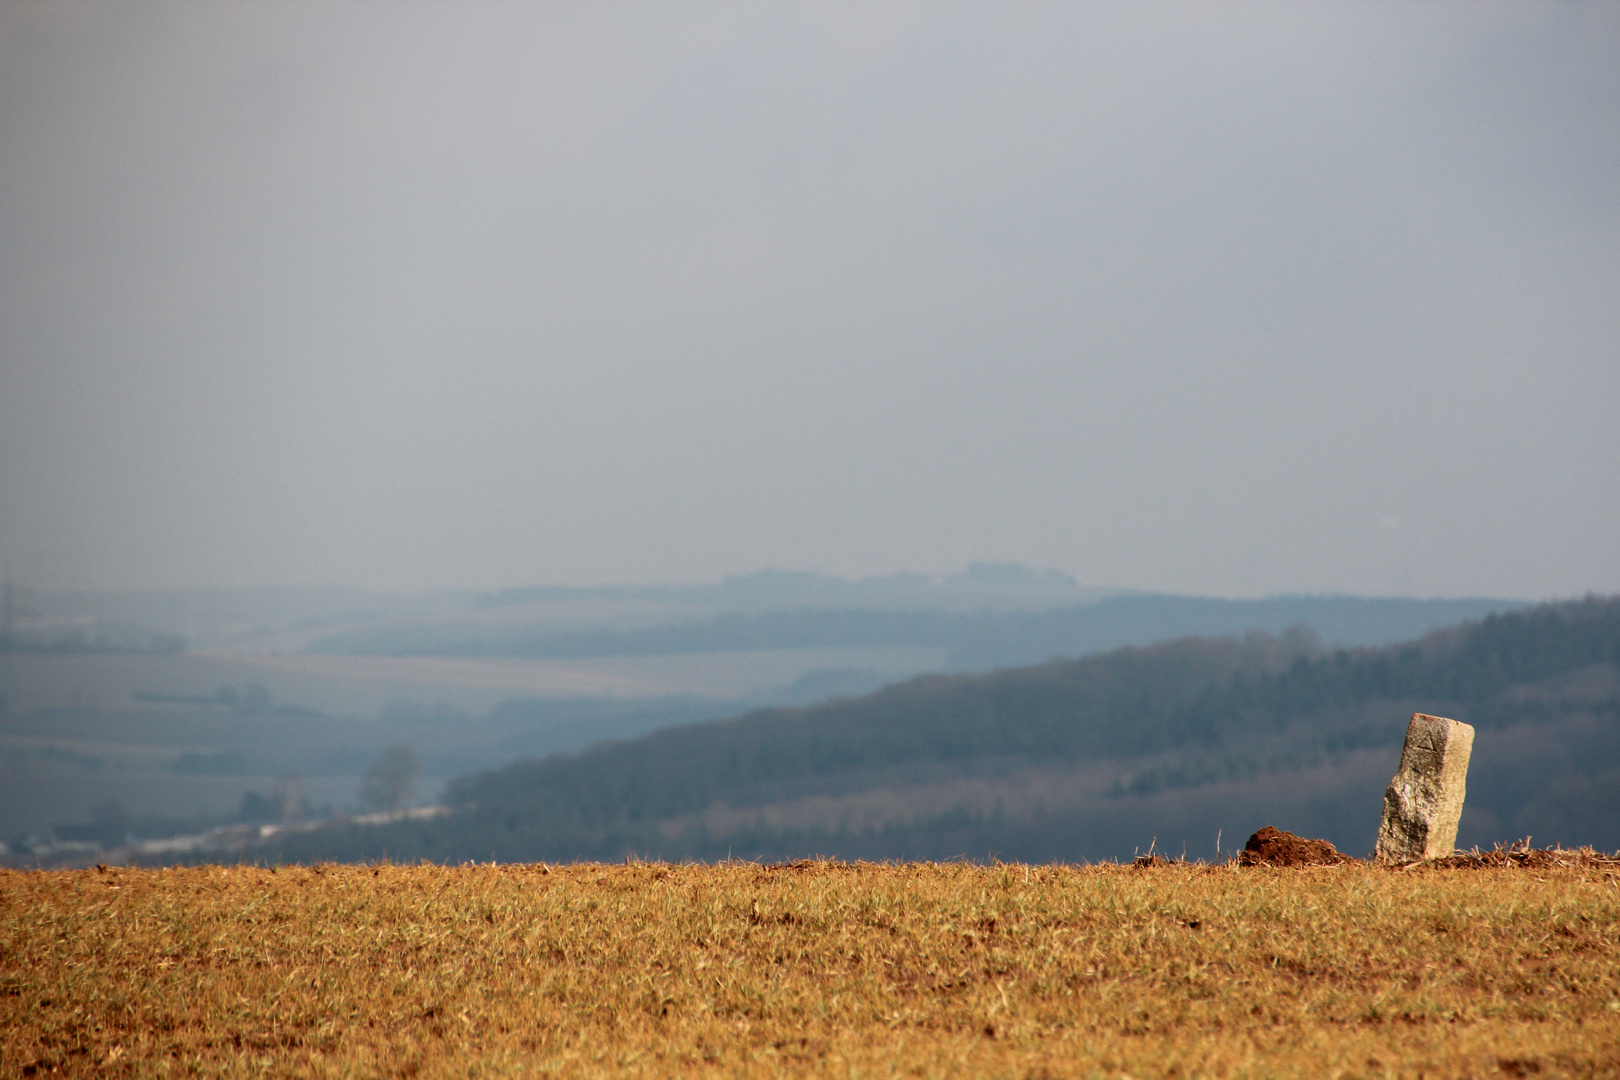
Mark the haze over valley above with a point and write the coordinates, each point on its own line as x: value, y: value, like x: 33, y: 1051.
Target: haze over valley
x: 415, y: 419
x: 101, y: 714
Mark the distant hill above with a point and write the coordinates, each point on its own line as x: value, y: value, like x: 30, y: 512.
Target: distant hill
x: 975, y: 640
x: 1084, y: 758
x: 1006, y: 586
x: 991, y: 615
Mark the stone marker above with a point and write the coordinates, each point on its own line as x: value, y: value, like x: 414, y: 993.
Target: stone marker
x: 1425, y: 799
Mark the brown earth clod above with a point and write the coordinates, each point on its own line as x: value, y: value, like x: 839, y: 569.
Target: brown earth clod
x: 1272, y: 846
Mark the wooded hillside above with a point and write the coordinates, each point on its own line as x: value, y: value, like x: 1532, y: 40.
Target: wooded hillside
x: 1082, y: 758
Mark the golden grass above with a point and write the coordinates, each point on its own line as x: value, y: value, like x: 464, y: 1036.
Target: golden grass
x: 814, y: 969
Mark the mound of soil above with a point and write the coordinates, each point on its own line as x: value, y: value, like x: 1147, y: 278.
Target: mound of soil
x: 1273, y: 847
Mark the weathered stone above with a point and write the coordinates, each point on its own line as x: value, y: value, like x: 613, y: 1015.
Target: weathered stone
x: 1425, y: 799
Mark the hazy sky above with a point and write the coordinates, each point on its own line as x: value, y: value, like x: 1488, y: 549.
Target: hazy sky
x: 1228, y: 299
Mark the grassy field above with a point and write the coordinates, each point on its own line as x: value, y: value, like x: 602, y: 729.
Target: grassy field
x: 821, y: 969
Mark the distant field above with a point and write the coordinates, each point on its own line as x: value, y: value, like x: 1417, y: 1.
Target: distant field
x: 812, y: 969
x: 483, y: 681
x: 35, y: 797
x: 77, y: 729
x: 360, y: 686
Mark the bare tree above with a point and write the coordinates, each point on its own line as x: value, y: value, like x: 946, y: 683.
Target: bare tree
x: 391, y: 780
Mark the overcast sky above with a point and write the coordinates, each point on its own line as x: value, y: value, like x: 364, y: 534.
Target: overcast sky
x: 1214, y: 298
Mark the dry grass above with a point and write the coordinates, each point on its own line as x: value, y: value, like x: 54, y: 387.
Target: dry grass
x: 814, y: 969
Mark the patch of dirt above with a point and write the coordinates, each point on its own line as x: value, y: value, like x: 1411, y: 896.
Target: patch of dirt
x: 1273, y: 847
x: 1147, y: 862
x: 1528, y: 858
